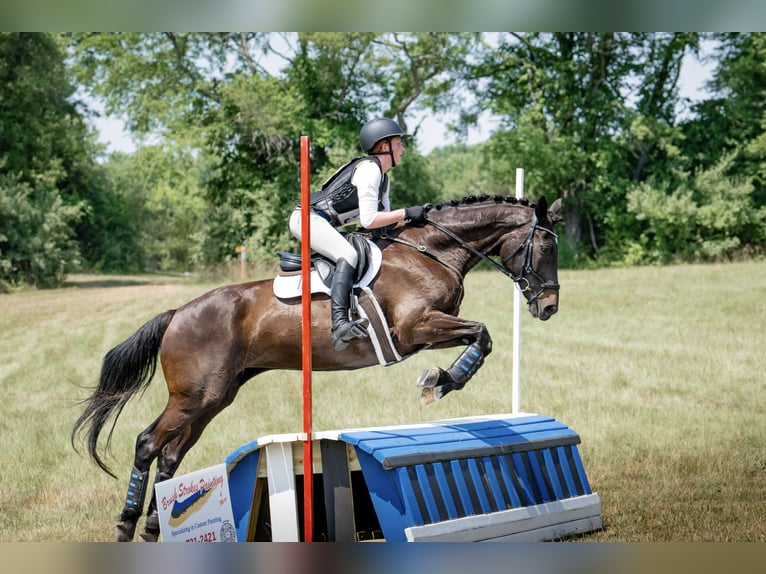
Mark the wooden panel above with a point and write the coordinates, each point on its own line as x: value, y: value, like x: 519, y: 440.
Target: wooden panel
x: 532, y: 523
x: 282, y: 501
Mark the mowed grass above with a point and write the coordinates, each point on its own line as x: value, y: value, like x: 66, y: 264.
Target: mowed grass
x: 659, y: 369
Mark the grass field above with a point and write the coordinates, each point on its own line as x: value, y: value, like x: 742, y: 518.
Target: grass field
x: 659, y: 369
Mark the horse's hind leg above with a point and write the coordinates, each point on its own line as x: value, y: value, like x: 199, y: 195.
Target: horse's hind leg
x: 167, y: 464
x: 137, y: 487
x: 172, y: 454
x: 149, y: 444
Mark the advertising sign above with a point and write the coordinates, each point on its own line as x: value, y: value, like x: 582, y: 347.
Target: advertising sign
x: 196, y: 507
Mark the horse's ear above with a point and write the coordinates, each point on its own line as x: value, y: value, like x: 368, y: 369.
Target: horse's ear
x: 555, y: 212
x: 541, y: 209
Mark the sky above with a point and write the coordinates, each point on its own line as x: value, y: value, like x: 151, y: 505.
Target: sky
x: 433, y: 131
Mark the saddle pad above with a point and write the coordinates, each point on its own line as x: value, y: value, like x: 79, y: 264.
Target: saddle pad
x: 289, y: 286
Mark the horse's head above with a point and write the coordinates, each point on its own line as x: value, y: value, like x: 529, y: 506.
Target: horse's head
x: 534, y: 262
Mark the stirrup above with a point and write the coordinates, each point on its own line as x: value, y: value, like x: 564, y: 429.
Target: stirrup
x: 346, y: 332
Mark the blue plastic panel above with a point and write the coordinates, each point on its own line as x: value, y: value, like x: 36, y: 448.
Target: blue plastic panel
x: 459, y: 468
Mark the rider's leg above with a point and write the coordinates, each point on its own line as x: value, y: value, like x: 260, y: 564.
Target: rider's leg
x: 326, y: 239
x: 343, y: 330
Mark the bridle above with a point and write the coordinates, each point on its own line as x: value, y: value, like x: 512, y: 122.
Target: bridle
x: 526, y: 269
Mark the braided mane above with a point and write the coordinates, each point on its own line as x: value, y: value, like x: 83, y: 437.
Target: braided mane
x: 484, y: 198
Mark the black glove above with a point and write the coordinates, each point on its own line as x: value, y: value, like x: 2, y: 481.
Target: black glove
x: 415, y: 213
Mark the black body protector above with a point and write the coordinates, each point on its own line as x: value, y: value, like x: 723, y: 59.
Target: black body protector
x: 338, y: 199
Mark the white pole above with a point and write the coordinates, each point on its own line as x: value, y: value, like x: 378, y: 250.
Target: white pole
x: 516, y: 388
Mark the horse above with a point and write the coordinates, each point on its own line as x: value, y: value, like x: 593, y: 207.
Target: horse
x: 209, y: 347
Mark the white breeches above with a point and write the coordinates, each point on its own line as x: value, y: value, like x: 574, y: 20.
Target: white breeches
x: 325, y: 238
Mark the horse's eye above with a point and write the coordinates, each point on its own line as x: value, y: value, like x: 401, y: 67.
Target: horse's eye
x: 545, y: 248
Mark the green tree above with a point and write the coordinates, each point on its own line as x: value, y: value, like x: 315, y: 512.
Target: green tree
x: 459, y: 168
x: 590, y: 116
x: 154, y: 210
x: 218, y: 93
x: 733, y: 119
x: 707, y: 217
x: 109, y: 231
x: 568, y: 102
x: 46, y: 157
x: 41, y: 128
x: 37, y: 244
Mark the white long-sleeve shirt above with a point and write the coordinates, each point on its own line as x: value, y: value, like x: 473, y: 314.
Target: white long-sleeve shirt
x: 367, y: 178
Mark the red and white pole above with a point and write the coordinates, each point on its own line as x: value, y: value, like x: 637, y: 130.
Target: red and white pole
x: 308, y: 454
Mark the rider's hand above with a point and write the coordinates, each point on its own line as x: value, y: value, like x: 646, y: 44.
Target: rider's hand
x: 415, y: 213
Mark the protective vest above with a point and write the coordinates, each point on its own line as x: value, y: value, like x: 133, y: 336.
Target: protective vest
x: 338, y: 199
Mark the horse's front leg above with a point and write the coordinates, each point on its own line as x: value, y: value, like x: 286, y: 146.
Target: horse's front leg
x: 448, y: 331
x: 437, y: 382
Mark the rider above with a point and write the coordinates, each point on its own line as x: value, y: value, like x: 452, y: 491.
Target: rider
x: 358, y: 192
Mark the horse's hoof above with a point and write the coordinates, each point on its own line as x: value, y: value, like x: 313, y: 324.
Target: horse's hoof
x: 149, y: 537
x: 151, y: 527
x: 429, y: 378
x: 124, y: 533
x: 428, y: 396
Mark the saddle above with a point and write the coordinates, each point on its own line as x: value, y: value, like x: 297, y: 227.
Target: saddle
x: 324, y: 266
x: 287, y: 282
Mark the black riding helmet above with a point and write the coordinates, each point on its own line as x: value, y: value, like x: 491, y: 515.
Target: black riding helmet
x: 379, y: 129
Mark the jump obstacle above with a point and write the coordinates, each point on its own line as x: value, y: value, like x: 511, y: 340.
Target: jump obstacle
x: 496, y: 477
x: 503, y: 477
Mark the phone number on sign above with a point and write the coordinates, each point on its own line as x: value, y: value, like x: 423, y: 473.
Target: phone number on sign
x: 205, y: 537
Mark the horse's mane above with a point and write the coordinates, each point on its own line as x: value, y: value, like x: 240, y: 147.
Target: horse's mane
x: 484, y: 198
x: 467, y: 200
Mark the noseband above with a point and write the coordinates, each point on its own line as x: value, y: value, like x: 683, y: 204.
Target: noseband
x: 526, y: 270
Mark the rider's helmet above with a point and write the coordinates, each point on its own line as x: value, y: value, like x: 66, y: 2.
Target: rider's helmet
x: 378, y: 129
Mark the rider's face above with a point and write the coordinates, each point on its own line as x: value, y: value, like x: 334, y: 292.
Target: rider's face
x: 397, y: 148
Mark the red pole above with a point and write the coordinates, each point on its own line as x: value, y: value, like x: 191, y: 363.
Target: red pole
x: 308, y: 455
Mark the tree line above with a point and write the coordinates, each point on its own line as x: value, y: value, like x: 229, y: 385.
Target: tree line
x: 592, y: 117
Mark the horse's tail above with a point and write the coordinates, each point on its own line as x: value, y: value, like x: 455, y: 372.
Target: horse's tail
x: 126, y: 369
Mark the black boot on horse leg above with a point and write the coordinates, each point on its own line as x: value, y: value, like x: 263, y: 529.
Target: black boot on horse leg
x: 134, y: 504
x: 344, y: 330
x: 436, y: 382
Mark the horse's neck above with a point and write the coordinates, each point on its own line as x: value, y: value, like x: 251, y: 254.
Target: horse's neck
x: 482, y: 229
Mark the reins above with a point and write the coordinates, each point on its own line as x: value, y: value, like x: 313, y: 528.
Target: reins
x: 472, y: 249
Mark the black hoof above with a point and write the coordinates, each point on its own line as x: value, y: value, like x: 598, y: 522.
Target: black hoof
x: 151, y: 527
x: 124, y: 532
x: 150, y: 536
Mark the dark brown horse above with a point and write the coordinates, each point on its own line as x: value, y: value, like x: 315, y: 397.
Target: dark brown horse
x: 211, y: 346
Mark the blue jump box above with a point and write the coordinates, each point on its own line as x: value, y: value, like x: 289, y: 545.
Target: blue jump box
x: 492, y: 477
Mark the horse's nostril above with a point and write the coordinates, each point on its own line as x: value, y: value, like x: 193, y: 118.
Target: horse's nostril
x: 550, y: 310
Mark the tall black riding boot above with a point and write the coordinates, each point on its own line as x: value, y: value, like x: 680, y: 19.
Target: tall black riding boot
x: 344, y: 330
